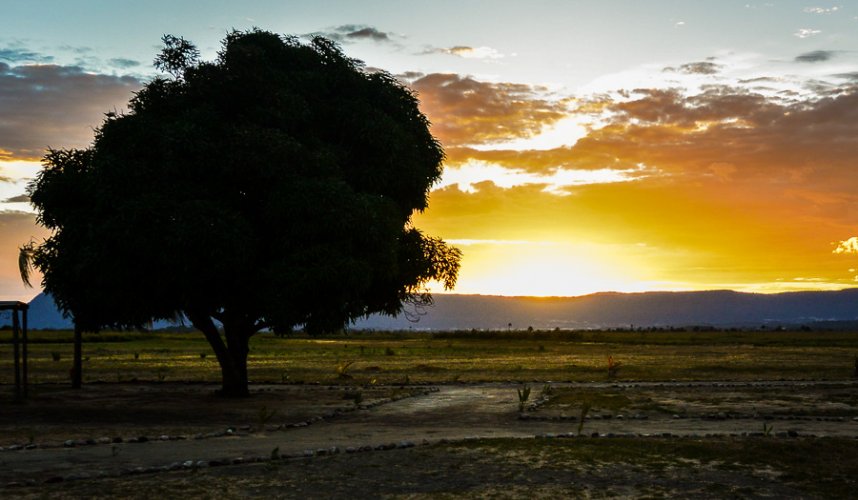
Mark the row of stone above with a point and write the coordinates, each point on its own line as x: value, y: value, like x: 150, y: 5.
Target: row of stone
x: 201, y: 464
x: 229, y: 431
x: 606, y: 416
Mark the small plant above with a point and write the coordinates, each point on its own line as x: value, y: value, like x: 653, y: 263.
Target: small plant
x: 162, y: 373
x: 114, y: 450
x: 56, y: 356
x: 541, y: 348
x: 585, y: 409
x: 264, y: 415
x: 343, y: 369
x: 373, y: 381
x: 613, y: 367
x: 284, y: 377
x: 389, y: 352
x: 275, y: 453
x: 547, y: 391
x: 767, y: 429
x: 361, y: 350
x: 407, y: 380
x: 523, y: 396
x: 136, y: 355
x: 455, y: 378
x: 203, y: 355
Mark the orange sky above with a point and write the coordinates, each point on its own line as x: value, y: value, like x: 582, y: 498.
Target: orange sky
x: 680, y: 146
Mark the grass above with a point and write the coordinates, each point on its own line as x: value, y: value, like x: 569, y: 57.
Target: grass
x: 450, y: 356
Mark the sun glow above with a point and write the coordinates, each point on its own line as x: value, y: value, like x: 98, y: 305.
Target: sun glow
x: 546, y: 268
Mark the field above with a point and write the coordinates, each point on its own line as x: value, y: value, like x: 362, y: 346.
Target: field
x: 497, y: 414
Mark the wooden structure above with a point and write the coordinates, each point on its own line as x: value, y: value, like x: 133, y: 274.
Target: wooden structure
x: 19, y: 344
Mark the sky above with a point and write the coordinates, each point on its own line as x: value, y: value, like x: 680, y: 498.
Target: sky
x: 591, y: 145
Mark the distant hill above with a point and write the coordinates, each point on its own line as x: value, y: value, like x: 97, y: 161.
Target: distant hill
x: 600, y: 310
x: 610, y: 310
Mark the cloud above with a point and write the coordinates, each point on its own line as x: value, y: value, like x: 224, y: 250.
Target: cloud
x: 55, y: 106
x: 848, y: 76
x: 464, y: 110
x: 847, y: 246
x: 16, y: 229
x: 123, y: 63
x: 21, y: 198
x: 466, y: 52
x: 820, y: 10
x: 806, y: 32
x: 356, y: 32
x: 696, y: 68
x: 18, y: 55
x: 815, y: 56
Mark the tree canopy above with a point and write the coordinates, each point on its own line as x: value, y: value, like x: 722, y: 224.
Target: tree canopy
x: 270, y: 188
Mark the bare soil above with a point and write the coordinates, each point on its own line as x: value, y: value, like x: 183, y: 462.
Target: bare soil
x: 468, y: 441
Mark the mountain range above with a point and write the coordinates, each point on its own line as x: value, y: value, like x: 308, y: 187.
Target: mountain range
x: 601, y: 310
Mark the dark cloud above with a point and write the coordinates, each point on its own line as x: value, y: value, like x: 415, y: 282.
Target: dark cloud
x: 410, y: 75
x: 696, y: 68
x: 815, y: 56
x: 56, y: 106
x: 15, y: 55
x: 21, y: 198
x: 467, y: 111
x: 123, y: 63
x: 356, y: 32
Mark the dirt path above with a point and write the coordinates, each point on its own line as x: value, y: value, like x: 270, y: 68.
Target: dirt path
x: 452, y: 413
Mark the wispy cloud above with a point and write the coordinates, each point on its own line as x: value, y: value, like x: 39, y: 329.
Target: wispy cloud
x: 821, y: 10
x: 464, y: 110
x: 22, y: 198
x: 806, y: 32
x: 847, y: 246
x: 466, y: 52
x: 698, y: 68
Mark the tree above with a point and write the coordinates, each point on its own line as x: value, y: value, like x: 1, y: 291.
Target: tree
x: 272, y: 188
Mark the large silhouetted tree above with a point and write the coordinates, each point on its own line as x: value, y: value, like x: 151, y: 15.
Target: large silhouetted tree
x: 270, y: 188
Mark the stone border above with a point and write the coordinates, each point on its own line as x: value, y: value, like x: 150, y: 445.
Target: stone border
x: 310, y: 454
x: 231, y: 430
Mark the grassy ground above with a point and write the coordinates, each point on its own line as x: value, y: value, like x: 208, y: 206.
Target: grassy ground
x: 450, y: 357
x: 509, y: 468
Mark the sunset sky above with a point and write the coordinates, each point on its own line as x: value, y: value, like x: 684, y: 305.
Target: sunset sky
x: 591, y: 145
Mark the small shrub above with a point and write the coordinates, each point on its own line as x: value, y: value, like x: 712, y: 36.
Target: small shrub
x: 284, y: 377
x: 767, y: 429
x: 523, y: 396
x: 541, y: 348
x: 389, y: 352
x: 56, y: 356
x: 136, y: 355
x: 162, y: 373
x: 547, y: 390
x: 203, y: 355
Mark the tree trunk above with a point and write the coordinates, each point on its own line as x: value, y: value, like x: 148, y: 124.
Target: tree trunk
x: 77, y: 363
x: 231, y: 355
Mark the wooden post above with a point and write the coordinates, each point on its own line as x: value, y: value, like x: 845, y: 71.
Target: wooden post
x: 24, y: 351
x: 16, y: 352
x: 77, y: 368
